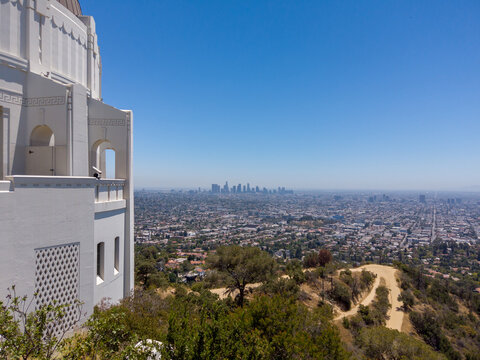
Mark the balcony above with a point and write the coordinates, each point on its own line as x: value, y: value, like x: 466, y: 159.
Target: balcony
x: 40, y: 181
x: 108, y: 193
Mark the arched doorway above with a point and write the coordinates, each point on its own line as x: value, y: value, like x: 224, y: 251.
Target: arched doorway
x: 40, y: 155
x: 42, y: 135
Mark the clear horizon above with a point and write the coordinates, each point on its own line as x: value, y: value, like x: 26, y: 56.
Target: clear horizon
x: 312, y: 95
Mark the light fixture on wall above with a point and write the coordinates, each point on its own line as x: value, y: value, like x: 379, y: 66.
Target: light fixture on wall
x: 97, y: 172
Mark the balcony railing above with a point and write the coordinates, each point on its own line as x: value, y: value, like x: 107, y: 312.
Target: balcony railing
x: 109, y: 190
x: 106, y: 190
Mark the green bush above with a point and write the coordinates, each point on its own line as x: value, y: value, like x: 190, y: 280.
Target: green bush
x: 386, y: 344
x: 342, y: 294
x: 429, y: 329
x: 267, y: 327
x: 284, y: 287
x: 27, y: 333
x: 406, y: 296
x: 295, y: 271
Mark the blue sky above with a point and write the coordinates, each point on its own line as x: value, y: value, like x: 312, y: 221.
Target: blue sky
x: 304, y: 94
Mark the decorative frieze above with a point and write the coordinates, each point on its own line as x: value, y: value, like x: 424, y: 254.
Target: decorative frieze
x: 17, y: 99
x: 10, y: 97
x: 106, y: 122
x: 44, y: 101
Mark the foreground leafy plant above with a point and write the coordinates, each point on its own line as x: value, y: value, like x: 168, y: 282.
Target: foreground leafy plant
x: 27, y: 333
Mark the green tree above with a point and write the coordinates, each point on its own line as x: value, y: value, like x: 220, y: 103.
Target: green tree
x: 342, y: 294
x: 295, y: 271
x: 367, y: 278
x: 145, y: 269
x: 243, y: 265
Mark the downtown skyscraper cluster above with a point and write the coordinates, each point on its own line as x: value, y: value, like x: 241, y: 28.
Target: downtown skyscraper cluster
x: 245, y: 189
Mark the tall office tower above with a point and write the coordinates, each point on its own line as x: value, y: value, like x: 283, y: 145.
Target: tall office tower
x: 226, y: 188
x: 215, y: 188
x: 257, y: 189
x: 66, y: 230
x: 422, y: 199
x: 244, y: 188
x: 248, y: 187
x: 239, y: 188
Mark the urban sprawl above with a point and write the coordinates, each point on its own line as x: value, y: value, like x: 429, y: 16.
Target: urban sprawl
x: 435, y: 230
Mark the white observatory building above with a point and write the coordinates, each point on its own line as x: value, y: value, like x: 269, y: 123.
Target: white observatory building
x: 64, y: 233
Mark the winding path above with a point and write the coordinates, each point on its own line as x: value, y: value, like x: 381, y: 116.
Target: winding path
x: 388, y: 273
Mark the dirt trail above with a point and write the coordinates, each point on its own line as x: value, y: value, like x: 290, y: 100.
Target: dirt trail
x: 388, y: 273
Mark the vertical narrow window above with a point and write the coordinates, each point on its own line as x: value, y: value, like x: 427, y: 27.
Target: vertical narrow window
x: 2, y: 159
x: 116, y: 262
x: 100, y: 262
x: 40, y: 38
x: 55, y: 45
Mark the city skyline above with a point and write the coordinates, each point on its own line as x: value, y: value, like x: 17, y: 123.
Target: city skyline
x: 246, y: 189
x: 370, y: 95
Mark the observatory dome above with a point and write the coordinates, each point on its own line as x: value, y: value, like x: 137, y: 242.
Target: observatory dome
x: 72, y: 5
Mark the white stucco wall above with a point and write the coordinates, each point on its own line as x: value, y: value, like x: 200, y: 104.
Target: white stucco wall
x: 109, y: 225
x: 50, y: 75
x: 37, y: 217
x: 41, y: 212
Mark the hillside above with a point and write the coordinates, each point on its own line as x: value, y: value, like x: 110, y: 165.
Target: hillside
x: 251, y: 306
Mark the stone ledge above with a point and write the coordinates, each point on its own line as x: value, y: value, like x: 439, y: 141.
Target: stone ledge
x: 110, y: 205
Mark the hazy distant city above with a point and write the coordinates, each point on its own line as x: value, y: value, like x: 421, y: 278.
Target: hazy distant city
x: 356, y: 227
x: 243, y: 189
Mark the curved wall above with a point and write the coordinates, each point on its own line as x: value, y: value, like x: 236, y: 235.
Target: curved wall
x: 44, y: 37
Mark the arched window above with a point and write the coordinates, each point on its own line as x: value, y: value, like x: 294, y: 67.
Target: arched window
x: 42, y: 135
x: 103, y: 158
